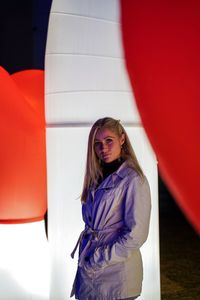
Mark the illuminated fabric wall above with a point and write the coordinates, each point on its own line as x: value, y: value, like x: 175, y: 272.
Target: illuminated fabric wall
x: 85, y: 80
x: 24, y: 262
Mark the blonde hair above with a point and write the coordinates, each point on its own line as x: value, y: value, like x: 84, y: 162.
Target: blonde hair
x: 93, y: 165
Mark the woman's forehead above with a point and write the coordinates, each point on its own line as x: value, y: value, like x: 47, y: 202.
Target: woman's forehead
x: 103, y: 133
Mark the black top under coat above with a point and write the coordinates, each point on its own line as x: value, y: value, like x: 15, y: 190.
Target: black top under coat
x: 109, y: 168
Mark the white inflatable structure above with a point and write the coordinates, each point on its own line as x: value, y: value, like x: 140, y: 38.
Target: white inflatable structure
x: 86, y: 79
x: 24, y: 262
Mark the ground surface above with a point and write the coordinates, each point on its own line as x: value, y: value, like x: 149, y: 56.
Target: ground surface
x: 179, y: 253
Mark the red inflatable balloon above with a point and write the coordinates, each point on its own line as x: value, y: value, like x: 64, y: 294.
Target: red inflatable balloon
x: 22, y: 147
x: 162, y: 51
x: 31, y: 85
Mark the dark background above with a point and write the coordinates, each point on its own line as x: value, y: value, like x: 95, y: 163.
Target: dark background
x: 23, y: 30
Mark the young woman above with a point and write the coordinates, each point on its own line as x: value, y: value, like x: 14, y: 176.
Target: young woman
x: 116, y: 210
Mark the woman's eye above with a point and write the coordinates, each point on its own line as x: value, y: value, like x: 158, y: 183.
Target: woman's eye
x: 109, y: 141
x: 97, y: 144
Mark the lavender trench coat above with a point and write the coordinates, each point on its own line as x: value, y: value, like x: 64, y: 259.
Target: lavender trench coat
x: 116, y: 217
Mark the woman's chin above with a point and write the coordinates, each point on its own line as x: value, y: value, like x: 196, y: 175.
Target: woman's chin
x: 107, y: 160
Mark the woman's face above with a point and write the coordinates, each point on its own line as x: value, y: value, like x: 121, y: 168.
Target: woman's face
x: 107, y: 145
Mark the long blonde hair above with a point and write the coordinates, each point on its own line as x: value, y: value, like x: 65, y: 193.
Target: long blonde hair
x: 93, y: 166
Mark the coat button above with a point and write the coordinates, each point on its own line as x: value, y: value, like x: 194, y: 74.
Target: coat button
x: 86, y: 236
x: 89, y: 218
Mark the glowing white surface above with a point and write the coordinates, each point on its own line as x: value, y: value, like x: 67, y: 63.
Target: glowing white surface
x: 81, y: 28
x: 104, y: 9
x: 67, y: 106
x: 24, y: 262
x: 67, y: 75
x: 84, y: 61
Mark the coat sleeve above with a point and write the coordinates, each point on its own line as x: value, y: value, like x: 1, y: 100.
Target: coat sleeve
x: 137, y: 208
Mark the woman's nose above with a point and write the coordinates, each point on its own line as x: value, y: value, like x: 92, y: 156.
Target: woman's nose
x: 103, y: 146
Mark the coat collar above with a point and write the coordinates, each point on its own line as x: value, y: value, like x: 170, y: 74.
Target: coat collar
x: 113, y: 178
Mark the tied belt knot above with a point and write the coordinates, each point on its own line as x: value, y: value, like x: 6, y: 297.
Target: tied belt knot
x: 93, y: 235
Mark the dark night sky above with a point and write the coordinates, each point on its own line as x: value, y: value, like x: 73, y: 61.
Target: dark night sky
x: 23, y: 31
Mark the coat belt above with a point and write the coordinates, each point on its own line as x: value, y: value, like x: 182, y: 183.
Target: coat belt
x: 93, y: 233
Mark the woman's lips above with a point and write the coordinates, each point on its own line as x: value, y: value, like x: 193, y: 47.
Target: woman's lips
x: 105, y: 156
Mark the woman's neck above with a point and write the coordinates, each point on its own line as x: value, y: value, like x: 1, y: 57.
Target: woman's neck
x: 109, y: 168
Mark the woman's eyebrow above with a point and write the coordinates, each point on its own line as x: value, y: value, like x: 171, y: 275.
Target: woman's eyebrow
x: 109, y: 136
